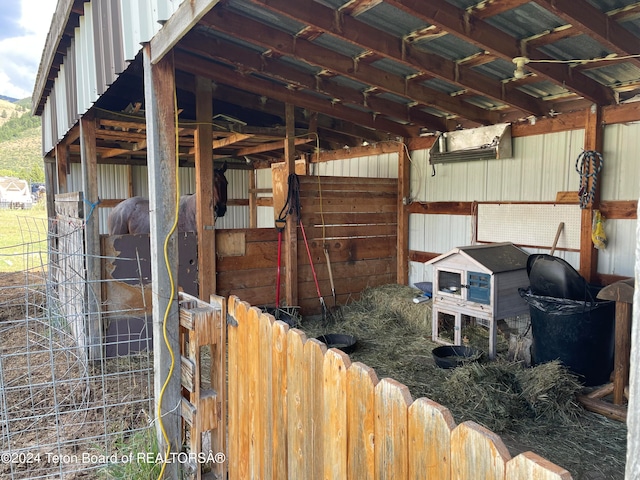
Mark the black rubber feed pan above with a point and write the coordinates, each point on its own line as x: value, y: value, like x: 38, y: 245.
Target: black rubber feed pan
x: 346, y: 343
x: 451, y: 356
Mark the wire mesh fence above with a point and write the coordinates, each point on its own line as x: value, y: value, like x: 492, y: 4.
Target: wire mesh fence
x: 62, y: 414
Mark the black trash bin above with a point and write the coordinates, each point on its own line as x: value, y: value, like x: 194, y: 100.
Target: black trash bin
x: 579, y: 330
x: 578, y: 333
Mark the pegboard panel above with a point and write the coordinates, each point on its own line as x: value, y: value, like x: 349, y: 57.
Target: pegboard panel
x: 529, y: 224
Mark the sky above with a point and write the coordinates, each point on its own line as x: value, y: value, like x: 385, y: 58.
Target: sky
x: 24, y: 25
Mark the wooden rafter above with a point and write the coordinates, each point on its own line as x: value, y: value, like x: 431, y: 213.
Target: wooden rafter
x: 255, y: 32
x: 190, y: 63
x: 252, y: 61
x: 598, y: 25
x: 486, y: 36
x: 384, y: 44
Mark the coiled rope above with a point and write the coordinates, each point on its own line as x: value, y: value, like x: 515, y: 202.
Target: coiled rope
x: 588, y: 164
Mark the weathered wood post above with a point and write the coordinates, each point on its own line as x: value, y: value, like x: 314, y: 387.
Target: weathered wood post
x: 159, y: 87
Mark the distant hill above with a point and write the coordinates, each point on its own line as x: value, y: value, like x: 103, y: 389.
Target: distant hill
x: 20, y: 141
x: 8, y: 99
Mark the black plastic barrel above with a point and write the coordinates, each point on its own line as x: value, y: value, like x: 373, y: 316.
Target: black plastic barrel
x: 578, y: 333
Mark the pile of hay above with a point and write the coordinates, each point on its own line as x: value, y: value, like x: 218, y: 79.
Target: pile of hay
x: 502, y: 395
x: 531, y: 408
x: 390, y: 330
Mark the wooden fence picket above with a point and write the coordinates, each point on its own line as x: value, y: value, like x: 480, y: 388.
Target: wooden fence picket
x: 232, y: 391
x: 361, y: 383
x: 279, y: 399
x: 336, y: 364
x: 528, y: 466
x: 392, y: 400
x: 243, y: 389
x: 477, y: 453
x: 430, y: 427
x: 253, y: 375
x: 265, y: 393
x: 296, y: 411
x: 313, y: 378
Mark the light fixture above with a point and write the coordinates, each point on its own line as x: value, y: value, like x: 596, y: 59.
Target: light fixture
x: 520, y: 63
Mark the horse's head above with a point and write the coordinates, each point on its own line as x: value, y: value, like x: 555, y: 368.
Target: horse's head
x: 220, y: 191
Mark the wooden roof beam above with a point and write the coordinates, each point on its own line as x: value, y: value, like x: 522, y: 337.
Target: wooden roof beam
x: 598, y: 25
x: 266, y: 104
x: 252, y: 61
x: 197, y: 66
x: 258, y: 33
x: 386, y: 45
x: 478, y: 32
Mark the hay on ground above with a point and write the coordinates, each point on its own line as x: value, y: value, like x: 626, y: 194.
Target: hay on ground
x: 531, y: 408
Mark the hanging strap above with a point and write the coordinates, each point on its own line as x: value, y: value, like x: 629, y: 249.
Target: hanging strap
x: 292, y: 204
x: 588, y: 164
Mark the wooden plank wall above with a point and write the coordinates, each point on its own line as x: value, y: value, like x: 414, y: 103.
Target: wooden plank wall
x: 360, y: 230
x: 355, y: 219
x: 298, y: 410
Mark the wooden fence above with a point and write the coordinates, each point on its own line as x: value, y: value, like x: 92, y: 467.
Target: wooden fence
x: 297, y: 410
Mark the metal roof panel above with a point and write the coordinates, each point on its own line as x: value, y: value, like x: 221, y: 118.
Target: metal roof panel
x: 498, y: 69
x: 349, y: 83
x: 265, y: 16
x: 441, y: 86
x: 391, y: 20
x: 448, y: 46
x: 580, y: 47
x: 394, y: 67
x: 614, y: 74
x: 337, y: 45
x: 526, y: 20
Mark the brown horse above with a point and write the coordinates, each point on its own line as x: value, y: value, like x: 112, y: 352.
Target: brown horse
x: 132, y: 215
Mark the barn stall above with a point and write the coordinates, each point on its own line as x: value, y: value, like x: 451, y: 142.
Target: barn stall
x: 363, y: 89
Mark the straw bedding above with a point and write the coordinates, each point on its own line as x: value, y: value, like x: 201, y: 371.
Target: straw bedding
x: 531, y: 408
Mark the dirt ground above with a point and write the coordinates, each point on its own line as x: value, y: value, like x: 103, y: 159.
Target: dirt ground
x: 58, y: 407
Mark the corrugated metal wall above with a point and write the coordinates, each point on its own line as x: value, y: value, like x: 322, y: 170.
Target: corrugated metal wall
x: 542, y: 166
x: 109, y: 35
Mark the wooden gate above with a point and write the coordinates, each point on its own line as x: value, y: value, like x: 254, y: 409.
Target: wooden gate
x: 300, y: 411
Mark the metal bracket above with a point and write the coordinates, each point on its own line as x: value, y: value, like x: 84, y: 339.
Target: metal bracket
x: 231, y: 321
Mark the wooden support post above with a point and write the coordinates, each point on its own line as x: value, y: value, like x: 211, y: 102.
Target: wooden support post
x: 404, y: 192
x: 204, y: 189
x: 159, y: 87
x: 89, y: 160
x: 592, y: 141
x: 62, y: 163
x: 253, y: 200
x: 52, y: 185
x: 291, y: 231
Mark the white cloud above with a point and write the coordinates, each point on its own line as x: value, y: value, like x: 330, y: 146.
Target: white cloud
x: 20, y: 55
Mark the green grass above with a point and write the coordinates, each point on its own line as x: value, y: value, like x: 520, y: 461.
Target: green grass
x: 23, y: 235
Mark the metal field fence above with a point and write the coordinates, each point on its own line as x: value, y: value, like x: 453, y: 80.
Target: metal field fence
x: 63, y: 415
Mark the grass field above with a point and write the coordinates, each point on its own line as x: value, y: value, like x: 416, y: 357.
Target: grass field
x: 23, y: 235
